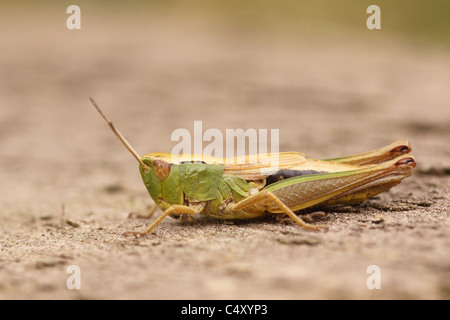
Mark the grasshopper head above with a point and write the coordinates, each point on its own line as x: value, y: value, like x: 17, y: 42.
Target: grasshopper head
x: 161, y: 180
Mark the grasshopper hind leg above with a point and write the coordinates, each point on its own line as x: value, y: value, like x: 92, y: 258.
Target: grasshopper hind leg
x: 266, y: 198
x: 359, y: 196
x: 389, y: 152
x: 371, y: 189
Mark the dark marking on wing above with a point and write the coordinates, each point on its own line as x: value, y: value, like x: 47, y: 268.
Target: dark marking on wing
x: 184, y: 162
x: 286, y: 174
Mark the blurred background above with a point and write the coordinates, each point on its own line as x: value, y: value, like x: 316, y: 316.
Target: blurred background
x: 312, y: 69
x: 309, y: 68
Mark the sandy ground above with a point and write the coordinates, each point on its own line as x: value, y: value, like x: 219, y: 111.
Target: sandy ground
x: 68, y: 185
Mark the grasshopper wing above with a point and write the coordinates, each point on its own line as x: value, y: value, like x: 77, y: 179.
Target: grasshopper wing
x: 249, y: 167
x: 260, y: 166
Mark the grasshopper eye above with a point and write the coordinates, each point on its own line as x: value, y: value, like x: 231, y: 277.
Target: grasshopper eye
x: 161, y: 169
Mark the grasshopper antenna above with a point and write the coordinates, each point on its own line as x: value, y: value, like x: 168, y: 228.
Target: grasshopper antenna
x: 120, y: 136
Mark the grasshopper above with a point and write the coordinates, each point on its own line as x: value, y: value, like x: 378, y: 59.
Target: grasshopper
x: 222, y: 189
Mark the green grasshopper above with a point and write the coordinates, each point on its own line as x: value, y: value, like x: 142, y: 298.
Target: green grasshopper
x: 222, y: 189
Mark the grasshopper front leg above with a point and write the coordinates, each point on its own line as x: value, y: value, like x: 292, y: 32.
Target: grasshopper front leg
x: 173, y: 209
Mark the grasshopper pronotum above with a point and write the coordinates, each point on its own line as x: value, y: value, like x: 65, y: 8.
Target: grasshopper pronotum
x: 223, y: 189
